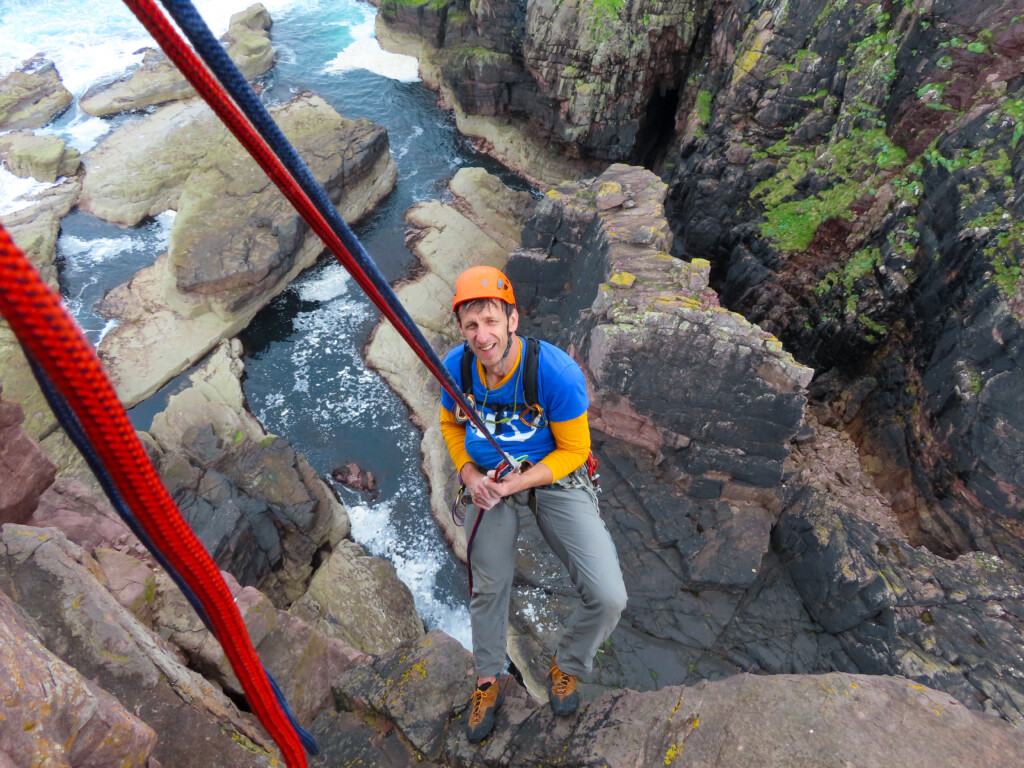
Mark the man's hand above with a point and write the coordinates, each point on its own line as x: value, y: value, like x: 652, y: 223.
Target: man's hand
x: 482, y: 489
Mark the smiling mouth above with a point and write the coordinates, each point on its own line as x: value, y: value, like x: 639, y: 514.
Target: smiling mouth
x: 489, y: 347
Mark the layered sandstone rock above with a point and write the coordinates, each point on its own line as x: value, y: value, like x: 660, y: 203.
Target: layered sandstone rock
x: 57, y: 586
x: 55, y: 716
x: 158, y: 81
x: 32, y: 95
x: 235, y: 242
x: 25, y: 471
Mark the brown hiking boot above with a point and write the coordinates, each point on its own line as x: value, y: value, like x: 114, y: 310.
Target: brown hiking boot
x: 562, y: 693
x: 482, y: 706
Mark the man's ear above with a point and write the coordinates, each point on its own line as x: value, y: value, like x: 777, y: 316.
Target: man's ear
x: 513, y: 321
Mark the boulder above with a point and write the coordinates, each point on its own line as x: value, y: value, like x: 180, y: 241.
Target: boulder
x: 25, y: 471
x: 215, y: 278
x: 216, y: 461
x: 53, y: 715
x: 361, y: 480
x: 32, y: 95
x: 57, y: 587
x: 44, y: 158
x: 157, y: 80
x: 420, y: 692
x: 359, y: 599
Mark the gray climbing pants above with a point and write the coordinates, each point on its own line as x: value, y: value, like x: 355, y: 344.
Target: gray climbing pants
x: 568, y: 519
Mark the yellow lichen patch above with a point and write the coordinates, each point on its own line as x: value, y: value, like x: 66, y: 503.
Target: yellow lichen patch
x: 610, y: 188
x: 700, y: 264
x: 773, y: 345
x: 554, y: 194
x: 625, y: 279
x: 672, y: 753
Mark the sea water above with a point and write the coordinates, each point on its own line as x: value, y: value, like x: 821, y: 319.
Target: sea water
x: 305, y: 377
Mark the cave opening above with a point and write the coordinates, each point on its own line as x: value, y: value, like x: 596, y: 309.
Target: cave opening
x: 657, y: 128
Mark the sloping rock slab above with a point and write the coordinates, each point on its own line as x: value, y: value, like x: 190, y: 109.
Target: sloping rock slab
x: 43, y: 158
x: 157, y: 80
x: 55, y: 716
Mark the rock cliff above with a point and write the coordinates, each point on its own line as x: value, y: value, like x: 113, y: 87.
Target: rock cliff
x: 850, y: 169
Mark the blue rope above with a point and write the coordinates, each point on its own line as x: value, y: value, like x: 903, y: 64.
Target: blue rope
x: 212, y: 52
x: 73, y: 427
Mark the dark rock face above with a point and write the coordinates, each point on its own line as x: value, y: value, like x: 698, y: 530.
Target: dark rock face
x: 597, y: 80
x: 25, y: 470
x: 852, y: 171
x: 952, y: 625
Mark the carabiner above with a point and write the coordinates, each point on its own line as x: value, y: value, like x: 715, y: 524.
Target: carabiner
x: 459, y: 414
x: 537, y: 422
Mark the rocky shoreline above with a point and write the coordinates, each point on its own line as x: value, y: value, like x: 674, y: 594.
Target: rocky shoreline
x: 768, y: 472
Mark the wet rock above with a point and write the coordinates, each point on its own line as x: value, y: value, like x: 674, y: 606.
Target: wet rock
x: 55, y: 716
x: 32, y: 95
x: 44, y: 158
x: 78, y: 620
x: 702, y: 724
x: 215, y: 278
x: 358, y: 479
x: 216, y: 461
x: 25, y: 471
x: 157, y: 80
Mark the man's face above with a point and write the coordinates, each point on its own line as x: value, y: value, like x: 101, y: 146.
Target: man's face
x: 486, y: 330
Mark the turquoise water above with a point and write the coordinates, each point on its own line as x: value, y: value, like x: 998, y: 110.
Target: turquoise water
x: 305, y: 376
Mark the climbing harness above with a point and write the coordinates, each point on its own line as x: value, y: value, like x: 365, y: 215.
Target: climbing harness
x: 533, y: 413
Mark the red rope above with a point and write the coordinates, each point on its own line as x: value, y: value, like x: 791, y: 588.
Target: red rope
x: 52, y: 338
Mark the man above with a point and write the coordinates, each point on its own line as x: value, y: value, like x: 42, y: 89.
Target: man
x: 554, y: 444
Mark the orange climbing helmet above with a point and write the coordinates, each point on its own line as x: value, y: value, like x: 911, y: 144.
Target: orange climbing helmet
x: 482, y: 283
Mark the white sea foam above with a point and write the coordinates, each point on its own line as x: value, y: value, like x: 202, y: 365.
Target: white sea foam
x: 331, y: 283
x: 366, y: 53
x: 14, y: 190
x: 94, y: 40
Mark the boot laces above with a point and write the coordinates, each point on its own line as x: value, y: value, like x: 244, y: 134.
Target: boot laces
x: 561, y: 682
x: 477, y: 712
